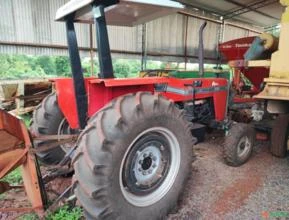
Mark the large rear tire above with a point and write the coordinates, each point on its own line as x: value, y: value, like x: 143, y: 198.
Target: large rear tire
x: 239, y: 144
x: 133, y: 159
x: 46, y: 121
x: 279, y: 136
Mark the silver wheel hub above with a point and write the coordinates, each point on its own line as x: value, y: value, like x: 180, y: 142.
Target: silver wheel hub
x: 148, y: 162
x: 150, y: 166
x: 64, y: 129
x: 244, y: 147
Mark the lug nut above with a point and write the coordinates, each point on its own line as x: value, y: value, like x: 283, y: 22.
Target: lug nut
x: 151, y: 154
x: 154, y: 165
x: 144, y: 173
x: 154, y: 158
x: 145, y: 155
x: 150, y: 171
x: 140, y: 162
x: 139, y: 169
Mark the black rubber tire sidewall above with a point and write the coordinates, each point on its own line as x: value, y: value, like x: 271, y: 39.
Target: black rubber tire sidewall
x: 234, y: 136
x: 167, y: 201
x: 111, y: 199
x: 45, y: 121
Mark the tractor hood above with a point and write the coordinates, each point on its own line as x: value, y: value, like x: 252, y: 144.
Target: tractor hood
x: 125, y: 13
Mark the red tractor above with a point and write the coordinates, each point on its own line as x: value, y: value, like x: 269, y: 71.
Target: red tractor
x: 134, y: 150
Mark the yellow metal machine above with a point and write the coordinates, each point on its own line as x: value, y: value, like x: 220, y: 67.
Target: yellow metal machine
x: 276, y: 90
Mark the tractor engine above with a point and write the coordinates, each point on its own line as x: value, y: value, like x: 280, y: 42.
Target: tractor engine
x: 201, y: 111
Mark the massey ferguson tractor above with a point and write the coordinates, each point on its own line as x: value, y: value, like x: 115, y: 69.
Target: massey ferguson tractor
x: 128, y: 141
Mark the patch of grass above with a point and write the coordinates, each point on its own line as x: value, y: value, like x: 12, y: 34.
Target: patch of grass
x: 66, y: 213
x: 29, y: 216
x: 62, y: 213
x: 13, y: 178
x: 27, y: 119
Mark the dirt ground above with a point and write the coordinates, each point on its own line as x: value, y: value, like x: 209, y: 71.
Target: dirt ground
x: 18, y: 199
x: 256, y: 190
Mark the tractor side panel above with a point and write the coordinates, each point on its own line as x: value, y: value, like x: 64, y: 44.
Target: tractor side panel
x: 100, y: 92
x: 99, y: 95
x: 66, y: 100
x: 180, y: 90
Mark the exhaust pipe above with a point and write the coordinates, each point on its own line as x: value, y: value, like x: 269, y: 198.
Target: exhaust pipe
x: 201, y: 49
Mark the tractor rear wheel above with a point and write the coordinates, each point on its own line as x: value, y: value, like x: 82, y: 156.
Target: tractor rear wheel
x: 279, y: 136
x: 48, y: 120
x: 239, y: 144
x: 133, y: 159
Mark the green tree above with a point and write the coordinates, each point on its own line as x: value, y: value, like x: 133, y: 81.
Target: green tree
x: 5, y: 66
x: 19, y: 67
x: 151, y: 65
x: 121, y: 68
x: 86, y: 66
x: 47, y: 64
x: 62, y: 66
x: 135, y: 67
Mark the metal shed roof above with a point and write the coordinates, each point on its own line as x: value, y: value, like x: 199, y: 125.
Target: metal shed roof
x: 262, y: 13
x: 28, y: 27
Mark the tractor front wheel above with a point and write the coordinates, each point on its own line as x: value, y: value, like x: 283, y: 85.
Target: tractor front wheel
x: 239, y: 144
x: 133, y: 159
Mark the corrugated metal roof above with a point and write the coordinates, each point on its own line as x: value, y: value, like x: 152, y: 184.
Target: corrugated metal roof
x: 263, y: 13
x: 31, y: 23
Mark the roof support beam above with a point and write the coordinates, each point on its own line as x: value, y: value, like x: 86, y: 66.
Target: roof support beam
x: 199, y: 7
x: 251, y: 7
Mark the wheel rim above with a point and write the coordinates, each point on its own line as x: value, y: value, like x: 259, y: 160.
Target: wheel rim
x: 244, y: 147
x: 63, y: 129
x: 150, y: 166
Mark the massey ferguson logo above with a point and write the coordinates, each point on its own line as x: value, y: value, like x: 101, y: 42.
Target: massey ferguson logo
x: 242, y: 45
x: 215, y: 84
x: 228, y: 46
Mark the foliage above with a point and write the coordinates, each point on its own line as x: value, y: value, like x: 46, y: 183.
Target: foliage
x: 66, y: 213
x: 19, y: 67
x: 86, y: 66
x: 121, y: 68
x: 62, y: 66
x: 29, y: 216
x: 24, y: 66
x: 62, y: 213
x: 153, y: 65
x: 14, y: 177
x: 27, y: 119
x: 47, y: 64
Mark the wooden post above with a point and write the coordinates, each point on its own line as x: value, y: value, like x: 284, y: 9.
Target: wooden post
x: 19, y: 100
